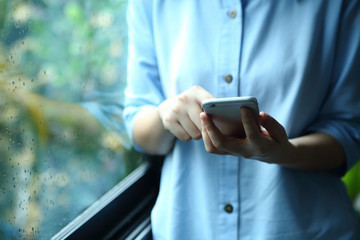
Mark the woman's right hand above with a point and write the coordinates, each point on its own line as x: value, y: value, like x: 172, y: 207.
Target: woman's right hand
x: 181, y: 114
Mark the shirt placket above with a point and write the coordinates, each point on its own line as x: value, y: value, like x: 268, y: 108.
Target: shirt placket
x: 228, y: 205
x: 228, y: 83
x: 230, y: 49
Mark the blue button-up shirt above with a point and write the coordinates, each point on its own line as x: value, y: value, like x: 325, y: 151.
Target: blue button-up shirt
x: 301, y: 60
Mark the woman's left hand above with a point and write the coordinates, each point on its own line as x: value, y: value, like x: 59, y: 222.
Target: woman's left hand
x: 269, y: 144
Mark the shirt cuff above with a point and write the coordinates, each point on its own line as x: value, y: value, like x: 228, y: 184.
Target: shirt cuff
x: 346, y: 141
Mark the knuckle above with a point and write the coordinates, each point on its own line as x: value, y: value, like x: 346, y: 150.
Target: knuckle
x: 182, y: 136
x: 261, y: 150
x: 218, y: 144
x: 168, y: 121
x: 183, y: 98
x: 210, y: 149
x: 175, y: 110
x: 197, y: 135
x: 196, y: 88
x: 185, y: 138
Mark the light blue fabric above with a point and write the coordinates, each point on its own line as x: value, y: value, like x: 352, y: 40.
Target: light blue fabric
x: 301, y: 60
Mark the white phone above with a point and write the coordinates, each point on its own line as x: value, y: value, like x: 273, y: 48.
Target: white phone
x: 229, y: 108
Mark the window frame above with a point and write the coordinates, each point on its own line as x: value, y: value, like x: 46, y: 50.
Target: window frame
x: 124, y: 211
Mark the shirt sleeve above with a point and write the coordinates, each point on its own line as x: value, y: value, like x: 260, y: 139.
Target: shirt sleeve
x: 144, y: 91
x: 340, y: 113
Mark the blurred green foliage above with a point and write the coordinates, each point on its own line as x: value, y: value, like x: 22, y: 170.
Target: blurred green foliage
x: 56, y: 158
x: 352, y: 181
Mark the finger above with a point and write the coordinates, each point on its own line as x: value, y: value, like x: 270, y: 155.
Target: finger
x: 275, y: 129
x: 234, y: 146
x: 208, y: 143
x: 179, y: 132
x: 189, y: 126
x: 194, y: 113
x: 251, y: 128
x: 214, y: 134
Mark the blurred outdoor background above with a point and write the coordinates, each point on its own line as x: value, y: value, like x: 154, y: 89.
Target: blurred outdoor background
x: 62, y: 75
x: 62, y: 140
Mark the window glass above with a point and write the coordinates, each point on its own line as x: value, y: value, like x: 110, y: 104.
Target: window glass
x: 62, y: 140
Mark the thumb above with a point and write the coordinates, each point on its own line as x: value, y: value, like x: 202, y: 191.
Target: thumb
x: 274, y: 128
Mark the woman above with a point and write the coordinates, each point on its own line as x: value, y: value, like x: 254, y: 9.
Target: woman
x: 300, y: 59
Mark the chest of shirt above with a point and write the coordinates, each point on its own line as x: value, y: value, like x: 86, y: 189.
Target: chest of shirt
x: 233, y: 48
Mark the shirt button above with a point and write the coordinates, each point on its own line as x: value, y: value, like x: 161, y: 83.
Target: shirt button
x: 228, y: 78
x: 228, y: 208
x: 232, y: 13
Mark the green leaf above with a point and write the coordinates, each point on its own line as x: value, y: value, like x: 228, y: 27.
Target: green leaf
x: 74, y: 12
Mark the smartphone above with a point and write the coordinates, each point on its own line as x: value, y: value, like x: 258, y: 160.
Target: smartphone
x: 229, y: 108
